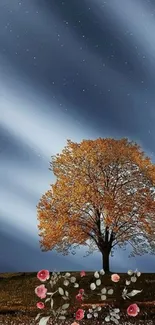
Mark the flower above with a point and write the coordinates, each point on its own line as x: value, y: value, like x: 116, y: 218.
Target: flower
x: 40, y: 305
x: 81, y: 291
x: 82, y: 273
x: 115, y: 277
x: 133, y: 310
x: 79, y: 297
x: 40, y: 291
x: 43, y: 275
x: 79, y: 314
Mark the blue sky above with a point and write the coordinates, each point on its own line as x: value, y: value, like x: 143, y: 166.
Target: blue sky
x: 74, y: 71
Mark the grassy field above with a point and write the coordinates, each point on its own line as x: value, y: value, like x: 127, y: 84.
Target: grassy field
x: 18, y: 299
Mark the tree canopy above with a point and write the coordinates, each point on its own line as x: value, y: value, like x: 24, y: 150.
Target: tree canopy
x: 104, y: 192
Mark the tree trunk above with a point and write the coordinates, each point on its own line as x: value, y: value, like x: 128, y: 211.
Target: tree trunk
x: 105, y: 260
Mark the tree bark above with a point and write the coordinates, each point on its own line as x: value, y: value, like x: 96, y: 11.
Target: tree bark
x: 105, y: 260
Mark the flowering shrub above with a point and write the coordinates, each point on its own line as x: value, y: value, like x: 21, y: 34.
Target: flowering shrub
x: 60, y: 313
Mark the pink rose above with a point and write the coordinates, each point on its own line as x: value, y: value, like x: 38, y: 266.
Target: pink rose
x: 75, y: 323
x: 82, y: 273
x: 40, y: 291
x: 79, y: 314
x: 79, y: 297
x: 133, y: 310
x: 43, y: 275
x: 40, y: 305
x: 115, y: 277
x: 81, y: 291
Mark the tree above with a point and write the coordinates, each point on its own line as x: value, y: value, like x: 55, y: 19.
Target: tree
x: 104, y: 196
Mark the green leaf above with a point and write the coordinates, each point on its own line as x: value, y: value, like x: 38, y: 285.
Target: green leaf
x: 138, y: 274
x: 65, y: 306
x: 115, y: 320
x: 102, y: 272
x: 44, y: 320
x: 51, y: 283
x: 103, y: 297
x: 37, y: 316
x: 63, y: 312
x: 66, y: 283
x: 65, y: 298
x: 94, y: 306
x: 54, y: 313
x: 89, y: 315
x: 76, y: 285
x: 98, y: 282
x: 52, y: 302
x: 130, y: 272
x: 96, y: 275
x: 127, y: 282
x: 62, y: 317
x: 61, y: 291
x: 67, y: 274
x: 58, y: 310
x: 107, y: 319
x: 133, y: 293
x: 92, y: 286
x: 73, y: 279
x: 116, y: 310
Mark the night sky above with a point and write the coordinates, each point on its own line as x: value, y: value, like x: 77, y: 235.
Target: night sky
x: 72, y: 69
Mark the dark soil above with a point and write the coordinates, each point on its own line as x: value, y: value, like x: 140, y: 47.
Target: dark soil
x: 18, y: 299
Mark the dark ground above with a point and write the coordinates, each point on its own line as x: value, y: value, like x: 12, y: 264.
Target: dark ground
x: 18, y: 299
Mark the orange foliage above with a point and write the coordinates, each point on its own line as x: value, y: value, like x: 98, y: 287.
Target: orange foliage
x: 101, y: 184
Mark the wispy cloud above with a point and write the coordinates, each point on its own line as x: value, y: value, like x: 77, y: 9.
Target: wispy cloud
x: 66, y: 76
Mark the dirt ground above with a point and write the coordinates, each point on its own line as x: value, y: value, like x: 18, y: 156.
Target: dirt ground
x: 18, y: 299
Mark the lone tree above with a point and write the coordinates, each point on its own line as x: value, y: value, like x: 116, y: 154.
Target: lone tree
x: 104, y: 196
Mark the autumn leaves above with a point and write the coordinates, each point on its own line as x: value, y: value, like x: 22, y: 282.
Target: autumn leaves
x: 103, y: 192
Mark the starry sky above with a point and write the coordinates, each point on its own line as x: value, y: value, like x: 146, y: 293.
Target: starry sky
x: 72, y: 69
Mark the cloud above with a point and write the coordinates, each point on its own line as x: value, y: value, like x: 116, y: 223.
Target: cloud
x: 67, y: 73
